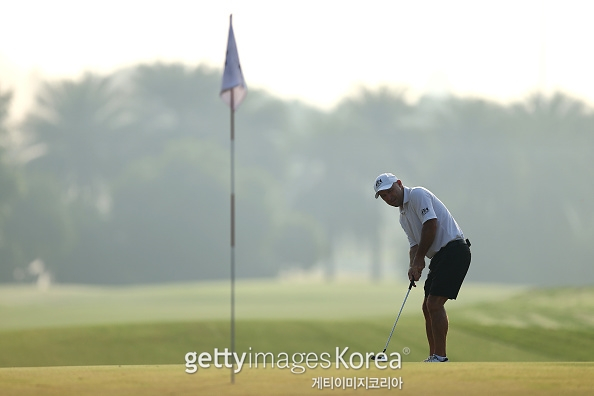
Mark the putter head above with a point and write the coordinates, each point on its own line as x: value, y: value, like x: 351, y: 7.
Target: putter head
x: 380, y: 357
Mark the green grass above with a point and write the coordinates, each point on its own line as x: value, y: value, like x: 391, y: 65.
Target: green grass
x: 26, y: 307
x: 559, y: 308
x: 68, y: 326
x: 132, y: 340
x: 559, y: 344
x: 167, y: 343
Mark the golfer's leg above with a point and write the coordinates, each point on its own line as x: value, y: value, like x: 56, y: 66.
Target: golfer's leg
x: 428, y: 328
x: 439, y: 323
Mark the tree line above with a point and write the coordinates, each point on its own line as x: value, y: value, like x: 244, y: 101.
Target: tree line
x: 124, y: 178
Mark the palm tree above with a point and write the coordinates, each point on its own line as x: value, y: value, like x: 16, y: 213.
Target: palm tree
x: 79, y: 125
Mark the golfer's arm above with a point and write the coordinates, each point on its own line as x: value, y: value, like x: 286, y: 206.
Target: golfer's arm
x: 412, y: 253
x: 427, y: 237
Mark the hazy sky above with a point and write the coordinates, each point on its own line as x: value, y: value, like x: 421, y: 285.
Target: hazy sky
x: 317, y: 51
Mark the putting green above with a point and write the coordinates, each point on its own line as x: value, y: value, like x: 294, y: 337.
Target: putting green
x: 417, y: 378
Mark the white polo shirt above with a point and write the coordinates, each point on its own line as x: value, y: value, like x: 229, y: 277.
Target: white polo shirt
x: 420, y: 205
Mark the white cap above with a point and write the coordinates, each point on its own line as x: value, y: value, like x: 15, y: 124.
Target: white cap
x: 384, y: 182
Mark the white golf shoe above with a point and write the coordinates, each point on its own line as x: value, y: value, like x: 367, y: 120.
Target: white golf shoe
x: 435, y: 359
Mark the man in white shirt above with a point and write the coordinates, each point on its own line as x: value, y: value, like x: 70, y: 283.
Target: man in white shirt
x: 433, y: 233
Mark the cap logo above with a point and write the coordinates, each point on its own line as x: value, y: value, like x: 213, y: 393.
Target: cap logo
x: 378, y: 183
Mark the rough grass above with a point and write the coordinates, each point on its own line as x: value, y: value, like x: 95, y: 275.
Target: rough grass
x: 159, y: 324
x: 559, y: 308
x: 167, y: 343
x: 555, y: 345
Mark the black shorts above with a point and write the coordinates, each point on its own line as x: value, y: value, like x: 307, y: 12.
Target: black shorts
x: 448, y: 269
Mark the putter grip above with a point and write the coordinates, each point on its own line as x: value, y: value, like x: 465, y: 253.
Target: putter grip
x: 412, y: 283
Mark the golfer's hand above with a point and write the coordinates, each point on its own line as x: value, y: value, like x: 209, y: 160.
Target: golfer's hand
x: 415, y: 270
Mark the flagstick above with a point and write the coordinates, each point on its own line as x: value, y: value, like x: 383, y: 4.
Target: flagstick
x: 232, y: 79
x: 232, y: 237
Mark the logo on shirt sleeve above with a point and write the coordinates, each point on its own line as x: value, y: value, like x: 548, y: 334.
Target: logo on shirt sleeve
x: 424, y: 211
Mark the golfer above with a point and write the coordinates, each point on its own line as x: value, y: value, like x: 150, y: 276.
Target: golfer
x: 433, y: 233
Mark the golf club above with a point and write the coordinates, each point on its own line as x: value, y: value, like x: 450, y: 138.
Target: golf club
x: 382, y: 355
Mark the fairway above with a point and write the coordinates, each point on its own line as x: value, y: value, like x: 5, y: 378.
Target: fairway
x: 132, y: 340
x: 167, y: 343
x: 521, y: 379
x: 80, y: 326
x: 24, y: 306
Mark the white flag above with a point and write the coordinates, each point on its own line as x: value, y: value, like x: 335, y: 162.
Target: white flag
x: 232, y: 76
